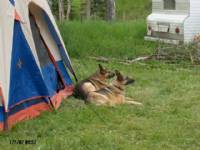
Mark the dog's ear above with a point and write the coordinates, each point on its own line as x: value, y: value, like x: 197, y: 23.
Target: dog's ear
x: 119, y: 75
x: 100, y: 66
x: 102, y: 70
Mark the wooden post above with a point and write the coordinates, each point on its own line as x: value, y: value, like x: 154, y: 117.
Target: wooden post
x: 69, y: 7
x: 61, y: 10
x: 88, y: 9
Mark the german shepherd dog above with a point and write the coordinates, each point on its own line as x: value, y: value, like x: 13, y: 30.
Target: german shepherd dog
x: 95, y: 82
x: 114, y: 94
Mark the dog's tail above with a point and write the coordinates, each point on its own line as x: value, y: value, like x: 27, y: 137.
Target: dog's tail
x: 133, y: 103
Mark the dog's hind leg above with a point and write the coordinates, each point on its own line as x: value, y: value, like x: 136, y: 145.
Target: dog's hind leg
x: 131, y: 100
x: 133, y: 103
x: 97, y: 99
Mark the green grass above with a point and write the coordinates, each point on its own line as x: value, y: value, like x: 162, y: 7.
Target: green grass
x: 118, y: 39
x: 169, y: 119
x: 132, y: 9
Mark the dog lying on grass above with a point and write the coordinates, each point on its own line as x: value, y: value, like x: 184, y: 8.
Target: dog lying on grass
x: 95, y: 82
x: 113, y: 94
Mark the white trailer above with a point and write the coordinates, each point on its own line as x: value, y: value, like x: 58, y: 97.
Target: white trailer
x: 173, y: 21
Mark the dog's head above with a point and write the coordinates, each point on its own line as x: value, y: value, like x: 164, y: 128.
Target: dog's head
x: 123, y: 80
x: 105, y: 73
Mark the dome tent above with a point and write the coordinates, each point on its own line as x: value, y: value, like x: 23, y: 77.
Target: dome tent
x: 33, y: 61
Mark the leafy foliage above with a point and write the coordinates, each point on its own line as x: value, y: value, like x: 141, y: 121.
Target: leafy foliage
x: 125, y: 9
x: 55, y: 8
x: 98, y: 8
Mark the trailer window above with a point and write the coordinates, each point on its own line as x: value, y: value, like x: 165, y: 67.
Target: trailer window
x: 169, y: 4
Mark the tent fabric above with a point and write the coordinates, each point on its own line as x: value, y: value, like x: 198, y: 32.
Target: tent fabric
x: 12, y: 2
x: 48, y: 70
x: 17, y: 16
x: 34, y: 62
x: 1, y: 117
x: 6, y: 34
x: 66, y: 76
x: 27, y: 111
x: 26, y: 80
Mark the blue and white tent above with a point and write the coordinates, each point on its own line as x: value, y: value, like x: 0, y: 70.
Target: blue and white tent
x: 33, y: 61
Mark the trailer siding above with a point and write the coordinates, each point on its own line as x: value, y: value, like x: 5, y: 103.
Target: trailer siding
x: 182, y: 7
x: 192, y: 24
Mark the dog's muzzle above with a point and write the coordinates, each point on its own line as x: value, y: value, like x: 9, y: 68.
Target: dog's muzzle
x: 130, y: 81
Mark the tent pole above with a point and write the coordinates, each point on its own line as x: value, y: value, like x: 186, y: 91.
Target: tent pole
x: 51, y: 105
x: 75, y: 76
x: 5, y: 127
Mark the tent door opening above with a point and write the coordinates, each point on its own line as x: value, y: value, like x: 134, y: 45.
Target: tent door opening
x: 50, y: 71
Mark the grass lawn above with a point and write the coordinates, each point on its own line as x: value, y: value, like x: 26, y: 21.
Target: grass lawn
x: 169, y: 119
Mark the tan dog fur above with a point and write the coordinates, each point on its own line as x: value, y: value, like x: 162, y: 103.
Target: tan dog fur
x: 93, y: 83
x: 114, y: 94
